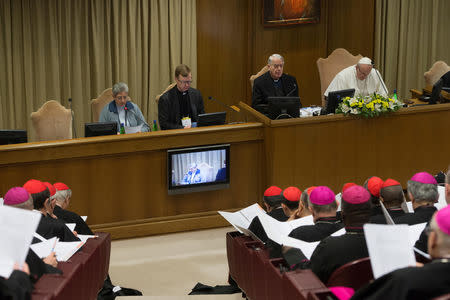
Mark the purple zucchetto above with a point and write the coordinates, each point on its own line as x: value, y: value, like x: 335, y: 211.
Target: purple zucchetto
x: 443, y: 219
x: 16, y: 195
x: 322, y: 195
x: 355, y: 195
x: 424, y: 177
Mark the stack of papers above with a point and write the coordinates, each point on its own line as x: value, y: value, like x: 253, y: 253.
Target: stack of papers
x: 71, y: 226
x: 16, y: 233
x: 131, y: 129
x: 63, y: 250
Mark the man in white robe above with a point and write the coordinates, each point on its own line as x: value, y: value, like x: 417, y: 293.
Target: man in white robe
x: 362, y: 77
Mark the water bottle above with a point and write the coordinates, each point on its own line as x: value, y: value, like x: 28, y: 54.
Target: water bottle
x: 122, y: 128
x: 155, y: 126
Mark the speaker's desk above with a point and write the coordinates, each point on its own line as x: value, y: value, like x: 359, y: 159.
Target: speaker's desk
x: 120, y: 182
x: 335, y: 149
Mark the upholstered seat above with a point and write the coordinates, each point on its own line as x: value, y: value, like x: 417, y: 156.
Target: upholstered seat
x: 261, y: 72
x: 438, y: 69
x: 167, y: 88
x: 329, y: 67
x: 97, y: 104
x: 52, y: 122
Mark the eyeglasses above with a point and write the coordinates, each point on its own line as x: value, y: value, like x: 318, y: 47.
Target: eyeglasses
x: 278, y: 66
x: 185, y: 82
x: 122, y: 97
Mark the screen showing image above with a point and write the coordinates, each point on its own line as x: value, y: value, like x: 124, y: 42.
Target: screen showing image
x: 198, y: 166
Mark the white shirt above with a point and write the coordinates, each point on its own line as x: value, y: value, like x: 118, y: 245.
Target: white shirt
x: 346, y: 79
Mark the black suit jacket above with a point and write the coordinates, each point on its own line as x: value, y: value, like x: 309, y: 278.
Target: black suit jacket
x: 263, y: 87
x: 169, y: 109
x: 71, y: 217
x: 317, y: 232
x: 422, y: 214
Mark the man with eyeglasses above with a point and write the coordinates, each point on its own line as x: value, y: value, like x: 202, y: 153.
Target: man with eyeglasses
x: 273, y: 83
x: 180, y: 106
x: 362, y: 77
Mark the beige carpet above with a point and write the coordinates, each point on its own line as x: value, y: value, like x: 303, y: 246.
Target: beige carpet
x: 168, y: 266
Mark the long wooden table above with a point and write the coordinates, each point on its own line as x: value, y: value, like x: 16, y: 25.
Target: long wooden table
x: 335, y: 149
x: 120, y: 182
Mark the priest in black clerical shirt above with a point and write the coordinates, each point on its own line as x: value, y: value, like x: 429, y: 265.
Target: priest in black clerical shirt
x: 427, y: 282
x: 323, y: 206
x: 273, y: 83
x: 422, y: 190
x: 335, y: 251
x: 272, y: 202
x: 63, y: 196
x: 180, y: 106
x: 391, y: 194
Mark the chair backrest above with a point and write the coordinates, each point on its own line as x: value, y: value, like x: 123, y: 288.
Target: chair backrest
x: 328, y: 67
x: 438, y: 69
x: 207, y: 172
x: 261, y: 72
x: 167, y: 88
x: 52, y: 122
x: 97, y: 104
x: 354, y: 274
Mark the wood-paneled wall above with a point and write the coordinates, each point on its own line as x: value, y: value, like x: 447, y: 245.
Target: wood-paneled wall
x: 232, y: 44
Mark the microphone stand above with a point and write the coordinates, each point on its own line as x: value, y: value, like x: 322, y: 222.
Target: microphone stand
x: 74, y: 130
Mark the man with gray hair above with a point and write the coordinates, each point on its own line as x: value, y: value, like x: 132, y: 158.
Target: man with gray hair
x: 423, y: 193
x: 63, y: 196
x: 123, y: 111
x: 362, y: 77
x: 273, y: 83
x: 427, y: 282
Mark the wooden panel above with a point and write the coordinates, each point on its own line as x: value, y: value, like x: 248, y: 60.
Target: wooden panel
x: 351, y: 25
x: 222, y: 51
x: 232, y: 44
x: 334, y: 150
x: 123, y: 178
x: 300, y: 45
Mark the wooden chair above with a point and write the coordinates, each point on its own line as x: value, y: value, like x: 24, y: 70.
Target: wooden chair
x: 438, y: 69
x: 354, y: 274
x: 328, y: 67
x: 167, y: 88
x: 261, y: 72
x: 98, y: 103
x: 52, y: 122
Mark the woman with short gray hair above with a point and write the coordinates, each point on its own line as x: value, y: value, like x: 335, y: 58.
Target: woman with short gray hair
x: 123, y: 111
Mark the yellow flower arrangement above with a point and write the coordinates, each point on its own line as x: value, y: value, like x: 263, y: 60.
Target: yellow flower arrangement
x: 369, y: 106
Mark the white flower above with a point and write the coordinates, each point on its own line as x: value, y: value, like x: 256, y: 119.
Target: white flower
x: 378, y: 107
x: 345, y: 108
x: 354, y: 111
x: 352, y: 100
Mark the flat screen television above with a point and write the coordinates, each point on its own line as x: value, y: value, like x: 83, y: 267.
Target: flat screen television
x: 217, y: 118
x: 283, y: 107
x: 13, y: 136
x: 334, y: 98
x: 100, y: 128
x: 198, y: 169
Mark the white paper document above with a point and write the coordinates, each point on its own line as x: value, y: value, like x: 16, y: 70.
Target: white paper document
x: 84, y: 218
x: 243, y: 217
x: 65, y: 250
x: 43, y: 249
x: 16, y: 233
x: 386, y: 214
x: 441, y: 201
x: 339, y: 200
x: 39, y: 237
x: 339, y: 232
x: 306, y: 247
x: 1, y: 201
x: 84, y: 237
x: 133, y: 129
x: 415, y: 231
x: 389, y: 248
x: 71, y: 226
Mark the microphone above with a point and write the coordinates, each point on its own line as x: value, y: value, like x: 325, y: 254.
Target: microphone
x: 232, y: 107
x: 379, y: 78
x: 137, y: 116
x: 73, y: 118
x: 293, y: 90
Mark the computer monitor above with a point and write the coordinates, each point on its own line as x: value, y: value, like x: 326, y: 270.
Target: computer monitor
x: 99, y: 129
x: 436, y: 92
x: 217, y: 118
x: 13, y: 136
x: 334, y: 98
x: 198, y: 169
x: 283, y: 107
